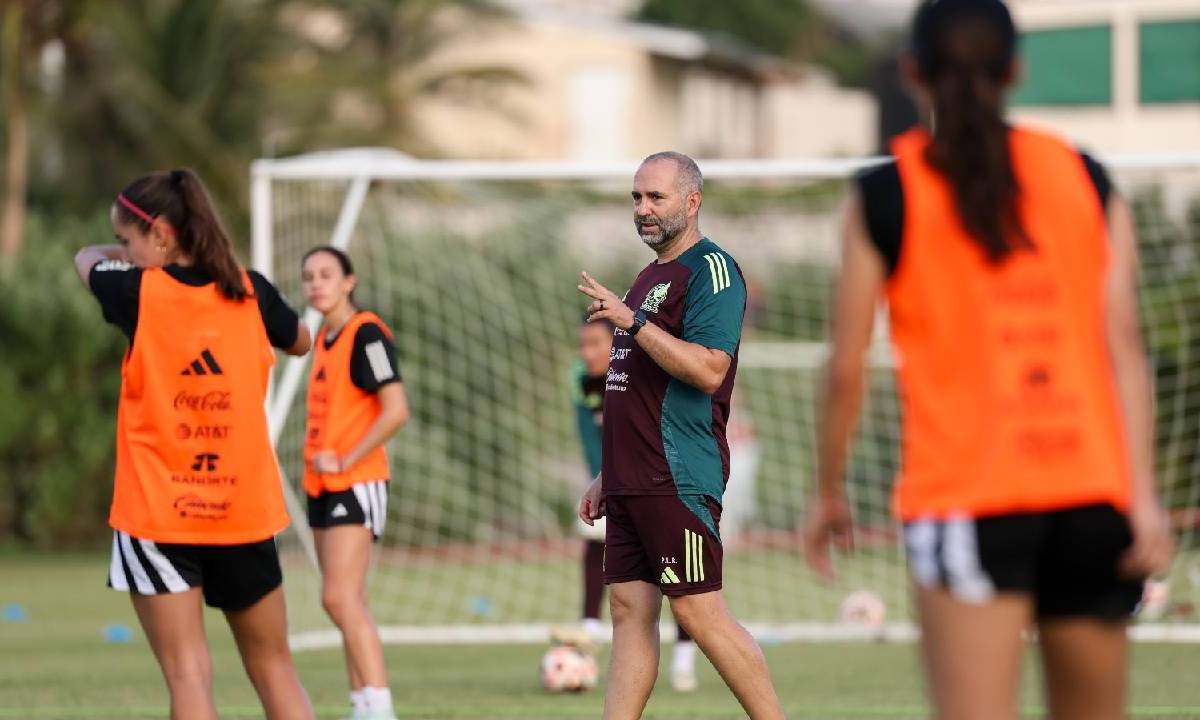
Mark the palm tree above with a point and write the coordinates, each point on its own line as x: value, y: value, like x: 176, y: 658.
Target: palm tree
x: 26, y: 26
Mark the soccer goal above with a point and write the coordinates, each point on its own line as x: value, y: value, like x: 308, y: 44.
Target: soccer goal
x: 474, y: 264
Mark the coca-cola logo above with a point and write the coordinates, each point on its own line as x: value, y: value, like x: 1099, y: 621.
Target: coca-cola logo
x: 214, y: 400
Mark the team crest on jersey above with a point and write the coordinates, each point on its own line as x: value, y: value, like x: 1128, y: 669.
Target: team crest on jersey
x: 655, y: 297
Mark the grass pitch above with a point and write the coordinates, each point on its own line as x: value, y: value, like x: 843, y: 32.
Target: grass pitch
x: 56, y: 663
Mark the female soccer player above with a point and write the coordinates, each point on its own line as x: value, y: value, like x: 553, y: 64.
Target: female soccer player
x: 1027, y: 492
x: 197, y: 500
x: 356, y: 402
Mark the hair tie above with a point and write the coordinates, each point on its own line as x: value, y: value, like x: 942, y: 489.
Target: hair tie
x: 131, y: 207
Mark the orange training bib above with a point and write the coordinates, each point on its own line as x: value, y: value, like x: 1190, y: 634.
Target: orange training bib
x: 340, y: 413
x: 194, y: 459
x: 1008, y: 395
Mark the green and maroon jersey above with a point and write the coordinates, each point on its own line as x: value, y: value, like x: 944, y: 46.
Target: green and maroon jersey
x: 661, y: 435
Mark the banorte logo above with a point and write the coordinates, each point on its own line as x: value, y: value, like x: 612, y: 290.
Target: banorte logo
x: 213, y: 400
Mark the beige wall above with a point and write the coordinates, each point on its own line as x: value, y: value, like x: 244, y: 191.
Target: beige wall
x: 597, y: 93
x: 1126, y: 126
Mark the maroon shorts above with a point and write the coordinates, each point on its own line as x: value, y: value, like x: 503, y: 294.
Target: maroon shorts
x: 666, y: 540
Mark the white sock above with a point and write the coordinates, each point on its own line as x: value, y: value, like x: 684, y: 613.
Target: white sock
x: 378, y: 699
x: 358, y: 703
x: 592, y: 626
x: 685, y: 657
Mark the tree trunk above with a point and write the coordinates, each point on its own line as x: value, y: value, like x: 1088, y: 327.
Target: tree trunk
x: 12, y: 213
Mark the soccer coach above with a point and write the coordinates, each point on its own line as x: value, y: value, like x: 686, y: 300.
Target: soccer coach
x: 665, y: 455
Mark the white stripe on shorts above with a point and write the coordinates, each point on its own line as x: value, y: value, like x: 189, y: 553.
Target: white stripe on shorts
x: 116, y: 568
x: 364, y: 502
x: 960, y: 553
x: 382, y: 488
x: 920, y: 537
x: 166, y: 571
x: 141, y: 579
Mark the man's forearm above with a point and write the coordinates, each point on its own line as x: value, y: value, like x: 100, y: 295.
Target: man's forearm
x: 696, y: 365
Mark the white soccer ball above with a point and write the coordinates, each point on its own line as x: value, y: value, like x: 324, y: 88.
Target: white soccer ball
x: 863, y: 608
x: 568, y: 669
x: 1156, y: 596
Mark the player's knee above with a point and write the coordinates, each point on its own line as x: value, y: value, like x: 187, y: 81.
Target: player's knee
x: 340, y: 604
x: 187, y: 673
x: 631, y: 608
x: 270, y: 665
x: 694, y: 613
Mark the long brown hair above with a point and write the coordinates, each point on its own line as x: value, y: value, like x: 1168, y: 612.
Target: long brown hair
x: 964, y: 53
x: 179, y: 196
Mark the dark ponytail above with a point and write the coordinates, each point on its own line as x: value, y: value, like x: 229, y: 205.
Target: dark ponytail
x: 964, y: 51
x: 179, y: 196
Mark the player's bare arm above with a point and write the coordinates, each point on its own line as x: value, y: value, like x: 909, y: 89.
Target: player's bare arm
x: 702, y: 368
x: 88, y: 257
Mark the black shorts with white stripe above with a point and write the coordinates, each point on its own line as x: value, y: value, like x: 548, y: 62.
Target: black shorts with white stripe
x: 1065, y: 559
x: 363, y: 504
x: 233, y: 577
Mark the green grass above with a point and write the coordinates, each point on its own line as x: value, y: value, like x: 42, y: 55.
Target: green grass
x: 57, y: 665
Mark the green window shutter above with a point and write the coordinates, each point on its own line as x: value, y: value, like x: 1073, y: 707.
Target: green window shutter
x: 1170, y: 61
x: 1066, y: 66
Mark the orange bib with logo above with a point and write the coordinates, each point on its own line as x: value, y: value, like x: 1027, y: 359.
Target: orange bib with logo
x: 194, y: 458
x: 1008, y: 394
x: 340, y: 413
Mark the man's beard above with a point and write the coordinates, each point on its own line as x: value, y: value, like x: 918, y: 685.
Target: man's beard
x: 668, y: 228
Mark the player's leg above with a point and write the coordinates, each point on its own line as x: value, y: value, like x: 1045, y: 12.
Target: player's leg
x: 975, y: 580
x: 972, y: 653
x: 633, y: 662
x: 634, y: 606
x: 1083, y: 609
x: 681, y: 534
x: 351, y: 521
x: 683, y: 661
x: 731, y: 650
x: 345, y: 558
x: 261, y: 634
x: 164, y: 583
x: 174, y: 625
x: 1085, y: 662
x: 593, y: 584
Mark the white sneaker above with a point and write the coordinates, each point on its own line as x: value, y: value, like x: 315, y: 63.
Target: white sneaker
x: 684, y: 681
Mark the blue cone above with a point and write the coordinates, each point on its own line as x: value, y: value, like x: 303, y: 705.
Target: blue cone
x: 15, y: 613
x: 118, y: 634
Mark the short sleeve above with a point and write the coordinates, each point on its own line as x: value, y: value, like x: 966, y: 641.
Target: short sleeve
x: 1099, y: 178
x: 715, y: 304
x: 280, y: 320
x: 373, y: 359
x: 117, y: 286
x: 882, y: 198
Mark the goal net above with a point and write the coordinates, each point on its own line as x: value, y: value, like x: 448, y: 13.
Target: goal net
x: 474, y: 265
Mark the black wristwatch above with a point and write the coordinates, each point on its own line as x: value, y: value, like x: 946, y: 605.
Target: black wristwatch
x: 639, y: 319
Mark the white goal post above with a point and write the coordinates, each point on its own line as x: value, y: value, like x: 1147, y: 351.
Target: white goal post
x: 480, y: 545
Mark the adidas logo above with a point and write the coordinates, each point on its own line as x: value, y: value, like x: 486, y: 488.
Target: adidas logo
x: 320, y: 375
x: 339, y: 510
x: 206, y: 364
x: 668, y: 577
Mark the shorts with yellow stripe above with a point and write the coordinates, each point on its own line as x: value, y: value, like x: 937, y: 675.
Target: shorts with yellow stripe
x: 667, y: 540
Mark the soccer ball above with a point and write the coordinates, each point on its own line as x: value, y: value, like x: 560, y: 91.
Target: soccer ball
x: 568, y: 669
x: 863, y: 608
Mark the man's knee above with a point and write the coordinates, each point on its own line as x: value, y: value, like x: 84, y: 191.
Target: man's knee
x: 634, y: 602
x: 698, y: 612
